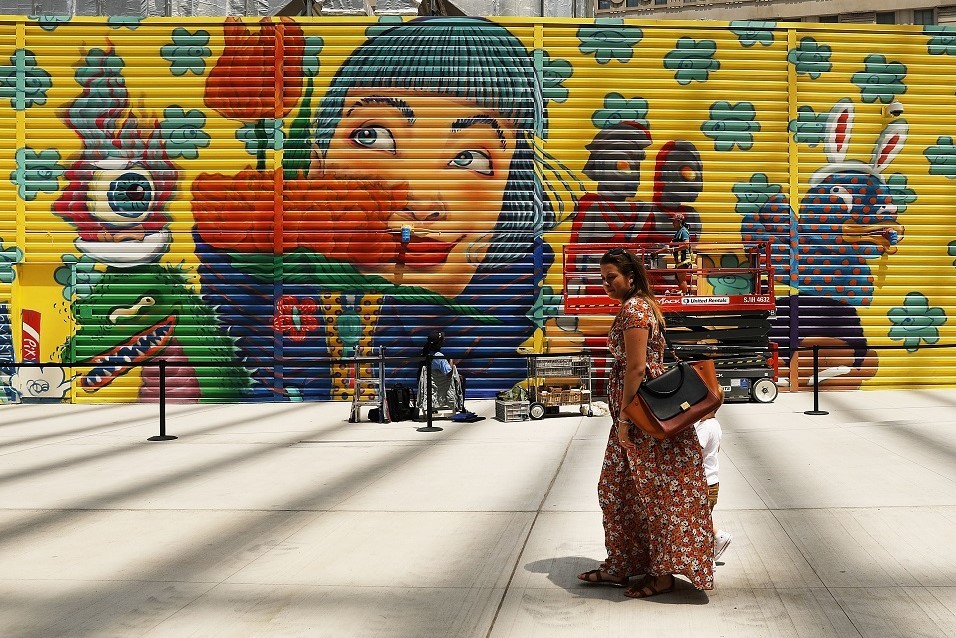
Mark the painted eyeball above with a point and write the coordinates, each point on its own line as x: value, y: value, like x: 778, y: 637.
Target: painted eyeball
x: 840, y: 195
x: 122, y: 197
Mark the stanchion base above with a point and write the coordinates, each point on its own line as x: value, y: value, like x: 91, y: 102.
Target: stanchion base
x: 428, y: 428
x: 162, y: 437
x: 815, y: 412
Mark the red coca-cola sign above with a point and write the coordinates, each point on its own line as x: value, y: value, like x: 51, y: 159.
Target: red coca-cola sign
x: 30, y: 343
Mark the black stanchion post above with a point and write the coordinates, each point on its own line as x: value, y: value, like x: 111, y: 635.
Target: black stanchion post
x: 816, y: 384
x: 162, y: 406
x: 428, y: 397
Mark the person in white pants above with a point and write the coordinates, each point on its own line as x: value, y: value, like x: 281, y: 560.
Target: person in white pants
x: 709, y: 433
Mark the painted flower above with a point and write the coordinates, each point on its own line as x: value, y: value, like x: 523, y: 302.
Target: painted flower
x: 36, y: 172
x: 118, y: 22
x: 384, y: 24
x: 879, y: 79
x: 901, y: 194
x: 86, y: 275
x: 36, y: 81
x: 187, y: 52
x: 951, y: 251
x: 942, y: 40
x: 809, y: 128
x: 751, y: 32
x: 9, y: 257
x: 692, y: 60
x: 241, y: 85
x: 49, y: 23
x: 753, y: 195
x: 261, y: 135
x: 942, y: 157
x: 183, y: 132
x: 608, y: 39
x: 40, y: 382
x: 618, y: 108
x: 810, y: 58
x: 915, y: 321
x: 731, y: 125
x: 732, y: 283
x: 555, y: 71
x: 296, y: 317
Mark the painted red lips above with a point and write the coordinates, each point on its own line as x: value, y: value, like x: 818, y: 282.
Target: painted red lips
x: 421, y: 251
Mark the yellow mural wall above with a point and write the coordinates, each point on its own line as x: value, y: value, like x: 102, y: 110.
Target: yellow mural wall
x: 221, y: 193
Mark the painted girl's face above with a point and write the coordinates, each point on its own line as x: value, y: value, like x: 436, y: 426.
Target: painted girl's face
x: 616, y: 284
x: 449, y: 156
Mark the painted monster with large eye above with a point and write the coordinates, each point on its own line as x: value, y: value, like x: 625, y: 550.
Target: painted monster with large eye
x: 120, y: 185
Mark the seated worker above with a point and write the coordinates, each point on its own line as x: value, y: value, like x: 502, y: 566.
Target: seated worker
x: 683, y: 255
x: 448, y: 388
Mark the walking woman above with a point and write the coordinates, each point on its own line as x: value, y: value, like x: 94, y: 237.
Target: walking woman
x: 653, y: 493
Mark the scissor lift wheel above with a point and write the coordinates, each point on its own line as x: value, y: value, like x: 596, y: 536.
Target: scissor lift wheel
x: 536, y: 411
x: 763, y: 391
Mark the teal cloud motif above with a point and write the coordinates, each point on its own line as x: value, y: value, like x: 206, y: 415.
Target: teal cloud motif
x: 555, y: 71
x: 310, y: 55
x: 187, y: 52
x: 810, y: 58
x: 901, y: 194
x: 36, y: 172
x: 942, y: 40
x: 942, y: 157
x: 609, y: 39
x: 86, y: 276
x: 618, y: 108
x: 183, y: 132
x: 731, y: 125
x: 384, y: 24
x: 915, y: 321
x: 9, y: 257
x: 752, y: 32
x: 36, y: 81
x: 692, y: 60
x: 118, y: 22
x: 951, y: 251
x: 732, y: 284
x: 879, y: 79
x: 809, y: 128
x: 261, y: 135
x: 49, y: 23
x: 753, y: 195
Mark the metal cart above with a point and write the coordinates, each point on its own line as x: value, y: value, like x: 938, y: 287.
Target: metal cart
x: 558, y: 380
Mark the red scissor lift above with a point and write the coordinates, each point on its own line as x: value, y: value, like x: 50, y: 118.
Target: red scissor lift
x: 725, y: 315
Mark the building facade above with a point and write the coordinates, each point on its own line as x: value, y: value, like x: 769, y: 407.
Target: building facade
x: 252, y: 201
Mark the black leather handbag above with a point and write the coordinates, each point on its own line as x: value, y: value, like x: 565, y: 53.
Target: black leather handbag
x: 668, y: 404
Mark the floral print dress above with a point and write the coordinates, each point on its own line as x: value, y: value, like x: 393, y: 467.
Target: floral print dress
x: 656, y: 515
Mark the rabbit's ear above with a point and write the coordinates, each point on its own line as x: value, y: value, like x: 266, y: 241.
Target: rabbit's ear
x: 889, y: 144
x: 839, y: 125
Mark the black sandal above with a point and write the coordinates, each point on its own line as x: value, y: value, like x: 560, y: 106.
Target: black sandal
x: 594, y: 577
x: 646, y: 588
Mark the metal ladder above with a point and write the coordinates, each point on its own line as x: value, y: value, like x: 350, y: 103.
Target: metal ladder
x: 368, y: 383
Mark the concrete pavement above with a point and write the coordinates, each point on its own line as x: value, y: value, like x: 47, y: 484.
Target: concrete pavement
x: 286, y: 520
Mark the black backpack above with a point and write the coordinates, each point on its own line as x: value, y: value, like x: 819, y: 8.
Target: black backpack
x: 399, y: 400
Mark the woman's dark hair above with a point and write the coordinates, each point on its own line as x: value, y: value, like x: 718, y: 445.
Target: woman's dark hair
x: 630, y: 266
x: 434, y: 343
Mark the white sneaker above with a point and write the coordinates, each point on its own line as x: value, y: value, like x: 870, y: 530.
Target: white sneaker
x: 721, y: 542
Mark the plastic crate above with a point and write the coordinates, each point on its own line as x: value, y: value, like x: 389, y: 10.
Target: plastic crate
x: 511, y: 410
